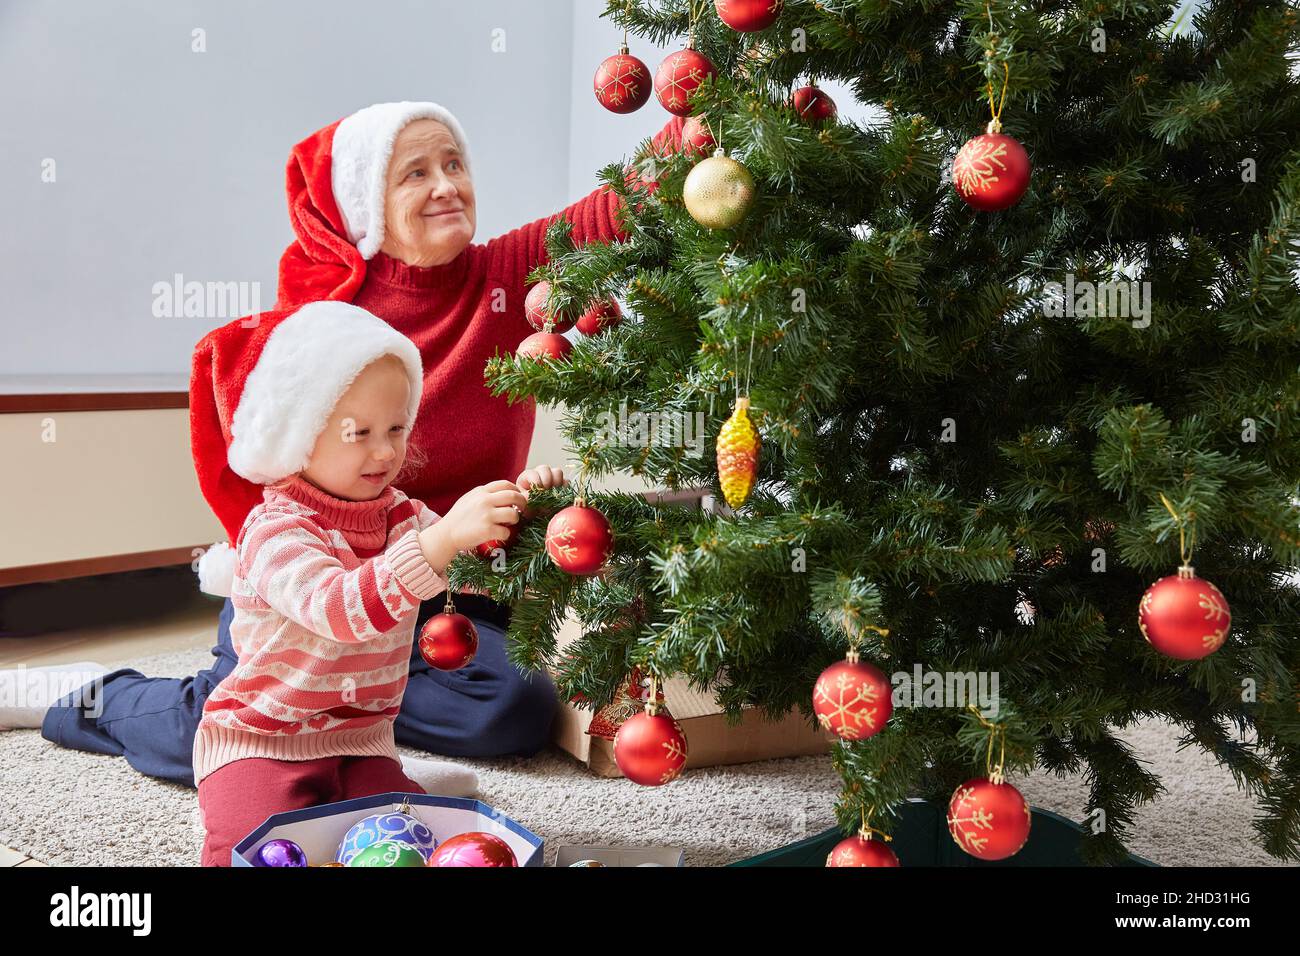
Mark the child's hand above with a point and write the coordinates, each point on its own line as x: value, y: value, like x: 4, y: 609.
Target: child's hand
x: 540, y: 476
x: 481, y: 514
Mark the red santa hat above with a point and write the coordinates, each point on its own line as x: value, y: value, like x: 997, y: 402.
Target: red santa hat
x: 335, y: 183
x: 262, y: 390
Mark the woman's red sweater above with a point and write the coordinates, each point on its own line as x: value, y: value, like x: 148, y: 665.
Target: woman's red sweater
x: 459, y: 315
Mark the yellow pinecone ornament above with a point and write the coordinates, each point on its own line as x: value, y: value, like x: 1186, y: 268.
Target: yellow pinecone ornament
x: 718, y: 191
x: 738, y: 446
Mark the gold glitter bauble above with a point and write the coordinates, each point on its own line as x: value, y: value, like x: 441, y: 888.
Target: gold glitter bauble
x: 718, y: 191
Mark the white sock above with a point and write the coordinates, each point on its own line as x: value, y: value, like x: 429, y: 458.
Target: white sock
x: 26, y: 693
x: 440, y: 777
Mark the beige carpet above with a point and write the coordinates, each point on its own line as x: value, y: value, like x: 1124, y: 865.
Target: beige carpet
x: 64, y: 807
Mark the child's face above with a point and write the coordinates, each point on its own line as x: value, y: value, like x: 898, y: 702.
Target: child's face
x: 364, y: 443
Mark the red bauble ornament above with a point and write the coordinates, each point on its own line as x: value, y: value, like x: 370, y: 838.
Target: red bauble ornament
x: 544, y: 345
x: 600, y: 316
x: 630, y: 700
x: 622, y: 83
x: 579, y: 539
x: 853, y: 698
x: 1184, y: 617
x: 748, y: 15
x: 989, y: 820
x: 474, y: 848
x: 678, y: 76
x: 448, y: 641
x: 538, y: 313
x: 650, y: 749
x: 696, y: 136
x: 991, y: 172
x: 813, y: 104
x: 857, y: 851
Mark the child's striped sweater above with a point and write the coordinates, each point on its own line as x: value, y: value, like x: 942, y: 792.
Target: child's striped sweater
x: 325, y: 596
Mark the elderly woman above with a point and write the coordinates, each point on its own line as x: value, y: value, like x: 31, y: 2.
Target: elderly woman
x: 383, y: 208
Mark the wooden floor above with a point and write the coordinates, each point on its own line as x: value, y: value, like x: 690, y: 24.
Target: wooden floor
x: 194, y: 627
x: 191, y: 627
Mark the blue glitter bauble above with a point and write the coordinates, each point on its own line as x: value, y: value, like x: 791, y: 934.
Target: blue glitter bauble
x: 389, y: 825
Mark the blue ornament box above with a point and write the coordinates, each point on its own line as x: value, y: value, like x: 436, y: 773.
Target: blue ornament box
x: 319, y: 830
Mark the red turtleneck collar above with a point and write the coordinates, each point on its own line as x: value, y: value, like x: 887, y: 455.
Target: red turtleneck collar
x: 388, y: 271
x: 363, y: 523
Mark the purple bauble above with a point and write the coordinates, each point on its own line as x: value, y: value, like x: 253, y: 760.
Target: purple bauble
x: 280, y: 853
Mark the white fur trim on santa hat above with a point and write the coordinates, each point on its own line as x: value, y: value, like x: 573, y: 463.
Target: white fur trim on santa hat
x: 306, y: 365
x: 217, y: 569
x: 363, y: 145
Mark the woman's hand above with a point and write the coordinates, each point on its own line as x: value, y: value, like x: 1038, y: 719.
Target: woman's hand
x: 481, y: 514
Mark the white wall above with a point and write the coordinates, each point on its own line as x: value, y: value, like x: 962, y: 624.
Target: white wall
x: 171, y: 161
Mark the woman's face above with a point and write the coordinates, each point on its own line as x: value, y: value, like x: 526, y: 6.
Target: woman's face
x: 429, y: 199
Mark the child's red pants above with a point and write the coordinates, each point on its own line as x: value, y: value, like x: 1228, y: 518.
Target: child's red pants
x: 238, y: 798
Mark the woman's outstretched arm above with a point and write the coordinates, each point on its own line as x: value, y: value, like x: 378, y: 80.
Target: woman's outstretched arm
x: 595, y: 219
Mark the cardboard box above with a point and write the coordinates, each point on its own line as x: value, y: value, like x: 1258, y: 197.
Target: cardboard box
x: 710, y: 740
x: 621, y: 855
x: 320, y: 830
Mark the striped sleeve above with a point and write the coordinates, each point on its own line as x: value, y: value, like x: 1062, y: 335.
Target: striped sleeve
x: 287, y: 560
x: 410, y: 513
x: 426, y: 516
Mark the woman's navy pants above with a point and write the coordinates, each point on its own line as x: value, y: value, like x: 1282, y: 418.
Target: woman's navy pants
x: 487, y: 708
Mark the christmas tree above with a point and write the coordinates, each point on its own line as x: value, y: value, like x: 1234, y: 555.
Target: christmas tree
x: 992, y: 406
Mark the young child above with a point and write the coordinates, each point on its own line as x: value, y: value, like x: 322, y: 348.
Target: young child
x: 330, y: 570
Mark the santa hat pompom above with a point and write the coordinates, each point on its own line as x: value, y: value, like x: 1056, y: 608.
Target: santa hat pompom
x: 217, y: 569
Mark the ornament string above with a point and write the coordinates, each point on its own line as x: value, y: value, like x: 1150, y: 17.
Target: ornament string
x: 652, y: 705
x: 708, y: 128
x: 855, y: 638
x: 867, y: 831
x: 749, y: 364
x: 1184, y: 546
x: 996, y: 733
x: 583, y: 478
x: 735, y: 343
x: 995, y: 124
x: 735, y: 372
